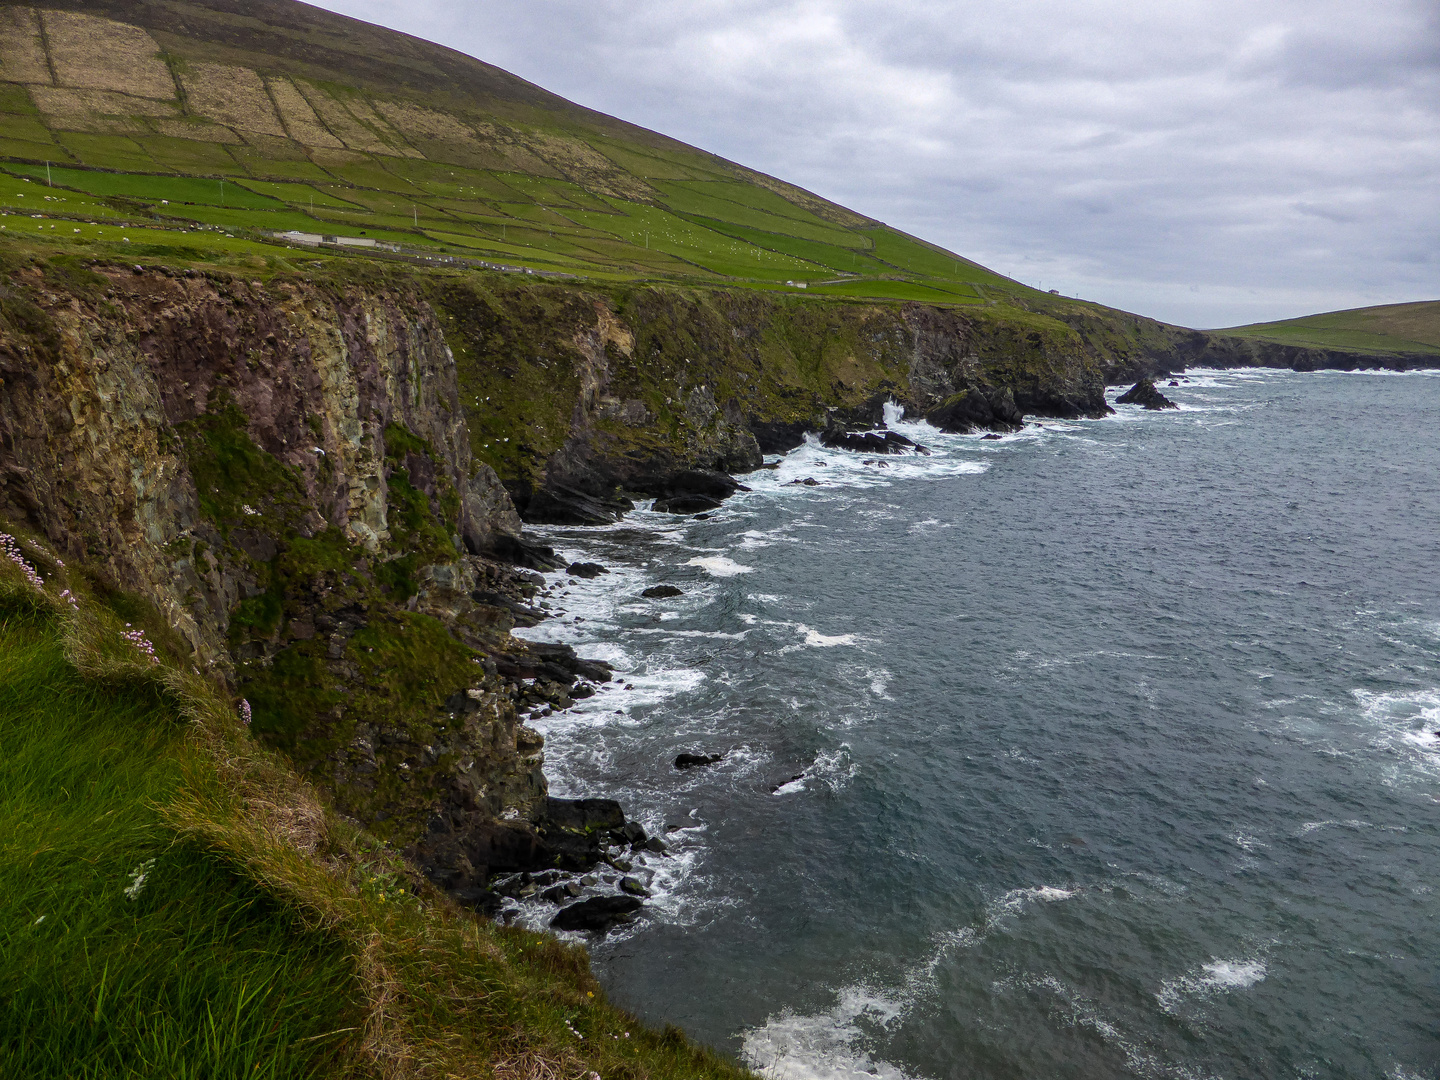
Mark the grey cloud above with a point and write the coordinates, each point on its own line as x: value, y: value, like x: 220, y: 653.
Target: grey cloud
x: 1279, y: 158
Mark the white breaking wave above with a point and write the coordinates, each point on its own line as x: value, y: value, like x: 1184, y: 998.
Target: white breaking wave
x: 831, y: 1044
x: 1414, y: 712
x: 880, y: 682
x: 832, y: 770
x: 720, y: 566
x: 817, y: 640
x: 823, y: 1046
x: 1215, y: 977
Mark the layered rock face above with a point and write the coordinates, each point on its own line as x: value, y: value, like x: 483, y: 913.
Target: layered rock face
x: 285, y: 472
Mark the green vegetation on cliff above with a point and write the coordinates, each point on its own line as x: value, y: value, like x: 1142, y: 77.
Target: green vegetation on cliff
x: 177, y: 903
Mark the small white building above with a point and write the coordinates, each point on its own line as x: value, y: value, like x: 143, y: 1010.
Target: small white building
x: 316, y: 239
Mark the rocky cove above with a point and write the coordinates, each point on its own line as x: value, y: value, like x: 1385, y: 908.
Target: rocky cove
x: 318, y: 487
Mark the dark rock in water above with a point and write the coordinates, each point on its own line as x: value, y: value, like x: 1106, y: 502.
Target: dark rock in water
x: 686, y: 504
x: 584, y: 814
x: 633, y: 886
x: 777, y: 787
x: 809, y: 481
x: 771, y: 465
x: 597, y: 914
x: 871, y: 411
x: 992, y: 435
x: 708, y: 482
x: 987, y: 407
x: 522, y: 614
x: 552, y: 660
x: 586, y: 569
x: 691, y: 761
x: 582, y: 691
x: 869, y: 442
x: 1145, y: 394
x: 780, y: 437
x: 702, y: 517
x: 1174, y: 382
x: 657, y: 845
x: 575, y: 832
x: 562, y: 893
x: 632, y: 833
x: 557, y: 504
x: 659, y: 592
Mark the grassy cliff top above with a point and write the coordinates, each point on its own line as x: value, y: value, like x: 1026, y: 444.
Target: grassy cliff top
x: 246, y: 120
x: 1388, y: 328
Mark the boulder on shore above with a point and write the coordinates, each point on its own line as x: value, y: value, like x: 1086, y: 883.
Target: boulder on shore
x: 585, y: 569
x: 1145, y: 393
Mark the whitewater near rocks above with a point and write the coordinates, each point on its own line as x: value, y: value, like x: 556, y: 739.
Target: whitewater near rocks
x: 1058, y: 754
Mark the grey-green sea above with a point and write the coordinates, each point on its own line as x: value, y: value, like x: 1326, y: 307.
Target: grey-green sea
x: 1108, y: 748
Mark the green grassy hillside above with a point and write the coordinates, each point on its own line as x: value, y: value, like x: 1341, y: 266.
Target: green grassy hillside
x: 175, y: 902
x: 243, y: 122
x: 1389, y: 328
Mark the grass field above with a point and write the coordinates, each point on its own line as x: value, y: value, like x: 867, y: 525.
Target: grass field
x: 175, y: 902
x: 538, y: 192
x: 710, y: 231
x: 1389, y: 328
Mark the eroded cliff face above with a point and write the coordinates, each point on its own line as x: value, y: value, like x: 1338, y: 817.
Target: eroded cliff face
x: 285, y: 473
x: 320, y: 483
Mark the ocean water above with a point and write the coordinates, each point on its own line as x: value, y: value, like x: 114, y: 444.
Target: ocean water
x: 1107, y: 749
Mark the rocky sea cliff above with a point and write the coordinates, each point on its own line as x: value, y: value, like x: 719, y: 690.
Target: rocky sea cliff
x: 321, y: 484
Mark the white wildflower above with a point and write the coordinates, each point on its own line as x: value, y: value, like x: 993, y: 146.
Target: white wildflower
x: 250, y: 511
x: 137, y: 878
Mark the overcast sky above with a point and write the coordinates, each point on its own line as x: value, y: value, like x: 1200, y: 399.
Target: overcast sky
x: 1209, y: 163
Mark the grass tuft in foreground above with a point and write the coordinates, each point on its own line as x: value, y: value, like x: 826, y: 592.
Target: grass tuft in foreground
x: 123, y: 950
